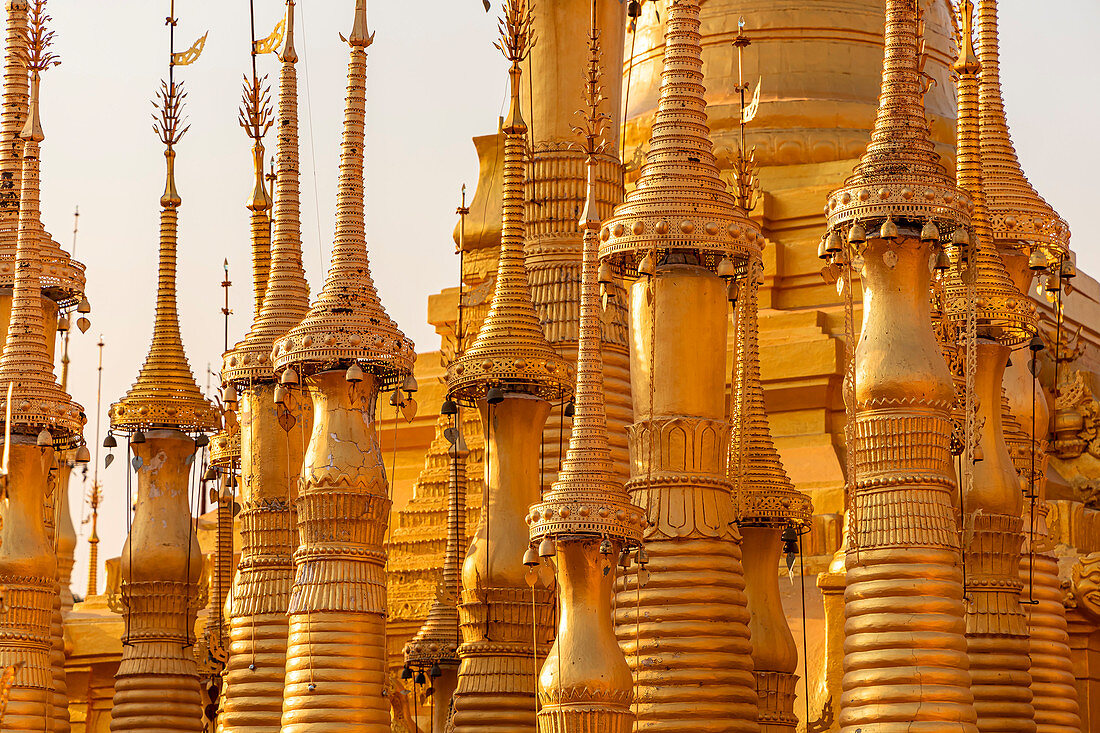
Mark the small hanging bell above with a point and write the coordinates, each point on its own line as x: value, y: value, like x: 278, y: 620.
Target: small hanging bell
x: 211, y: 473
x: 943, y: 262
x: 229, y: 394
x: 822, y: 252
x: 833, y: 243
x: 281, y: 394
x: 889, y: 230
x: 605, y: 276
x: 84, y: 306
x: 289, y: 376
x: 45, y: 439
x: 648, y: 265
x: 137, y: 438
x: 930, y: 232
x: 606, y: 548
x: 790, y: 545
x: 642, y: 556
x: 960, y: 237
x: 546, y: 547
x: 109, y: 441
x: 731, y: 292
x: 857, y: 234
x: 569, y: 410
x: 395, y: 398
x: 1037, y: 260
x: 450, y: 407
x: 726, y: 268
x: 435, y: 671
x: 1069, y: 270
x: 420, y: 678
x: 63, y: 323
x: 410, y: 385
x: 530, y: 558
x: 202, y: 440
x: 83, y: 455
x: 624, y: 558
x: 354, y: 373
x: 494, y: 396
x: 406, y: 673
x: 1036, y: 344
x: 634, y: 9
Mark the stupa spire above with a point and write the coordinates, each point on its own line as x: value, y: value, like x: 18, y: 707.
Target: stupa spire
x: 286, y: 298
x: 38, y: 402
x: 256, y: 119
x: 1019, y: 215
x: 15, y: 102
x: 348, y: 323
x: 165, y: 394
x: 511, y: 350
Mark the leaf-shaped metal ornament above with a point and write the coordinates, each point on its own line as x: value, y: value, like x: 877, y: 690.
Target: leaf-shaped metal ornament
x: 408, y: 409
x: 189, y: 460
x: 532, y: 576
x: 451, y: 434
x: 841, y: 285
x: 108, y: 459
x: 137, y: 462
x: 287, y: 421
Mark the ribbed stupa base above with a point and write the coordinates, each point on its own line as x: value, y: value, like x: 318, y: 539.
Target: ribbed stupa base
x: 691, y: 656
x: 157, y: 703
x: 28, y: 709
x: 335, y: 674
x: 1054, y: 696
x: 253, y: 697
x: 59, y: 695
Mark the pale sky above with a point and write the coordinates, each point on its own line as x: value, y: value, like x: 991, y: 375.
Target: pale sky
x: 434, y: 82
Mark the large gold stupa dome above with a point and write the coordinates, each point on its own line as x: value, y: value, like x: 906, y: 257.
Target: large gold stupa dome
x: 820, y: 64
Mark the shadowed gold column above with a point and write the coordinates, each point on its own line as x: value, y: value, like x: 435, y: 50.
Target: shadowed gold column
x: 512, y: 375
x: 157, y: 683
x: 349, y: 352
x: 905, y: 654
x: 680, y: 232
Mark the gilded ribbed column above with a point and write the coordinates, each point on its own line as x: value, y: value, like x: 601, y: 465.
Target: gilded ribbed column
x: 66, y: 540
x: 512, y: 375
x: 1021, y: 221
x: 157, y: 683
x: 43, y: 418
x: 434, y: 648
x: 987, y: 316
x: 59, y: 692
x: 905, y: 655
x: 680, y: 233
x: 348, y: 351
x: 556, y: 184
x: 766, y: 502
x: 271, y: 456
x: 586, y: 519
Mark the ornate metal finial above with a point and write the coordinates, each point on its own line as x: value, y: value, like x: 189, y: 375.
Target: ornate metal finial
x: 746, y: 183
x: 900, y: 178
x: 680, y: 202
x: 511, y: 351
x: 347, y: 324
x: 1002, y: 312
x: 587, y: 478
x: 1018, y: 214
x: 165, y: 394
x: 286, y: 296
x: 34, y: 401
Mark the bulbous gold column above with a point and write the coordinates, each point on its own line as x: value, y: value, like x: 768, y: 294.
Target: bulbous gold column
x: 157, y: 683
x: 338, y: 602
x: 27, y: 571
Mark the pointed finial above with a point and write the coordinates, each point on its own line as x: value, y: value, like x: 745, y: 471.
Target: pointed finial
x: 680, y: 202
x: 289, y: 54
x: 348, y: 324
x: 511, y: 353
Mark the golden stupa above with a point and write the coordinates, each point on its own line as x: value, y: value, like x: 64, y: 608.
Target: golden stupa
x: 767, y: 402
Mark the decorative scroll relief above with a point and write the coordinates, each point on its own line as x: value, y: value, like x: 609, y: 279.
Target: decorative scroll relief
x: 675, y: 447
x: 905, y: 439
x: 685, y: 508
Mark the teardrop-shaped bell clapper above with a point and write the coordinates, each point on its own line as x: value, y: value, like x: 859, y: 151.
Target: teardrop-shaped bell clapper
x: 643, y: 576
x: 546, y: 547
x: 494, y: 396
x: 930, y: 232
x: 857, y: 234
x: 354, y: 373
x: 648, y: 265
x: 289, y: 376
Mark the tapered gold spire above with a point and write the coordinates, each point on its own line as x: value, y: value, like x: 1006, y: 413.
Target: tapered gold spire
x: 347, y: 323
x: 680, y: 202
x: 511, y: 351
x: 286, y: 299
x: 255, y: 118
x: 1019, y: 215
x: 587, y: 499
x: 61, y: 277
x: 165, y: 394
x: 38, y: 402
x: 1003, y: 313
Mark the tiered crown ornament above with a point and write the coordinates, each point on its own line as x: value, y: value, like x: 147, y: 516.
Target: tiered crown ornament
x: 511, y: 352
x: 899, y: 182
x: 587, y: 499
x: 38, y: 405
x: 347, y: 325
x: 680, y: 175
x: 165, y: 394
x: 286, y: 298
x: 60, y: 277
x: 1018, y: 214
x: 1002, y: 313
